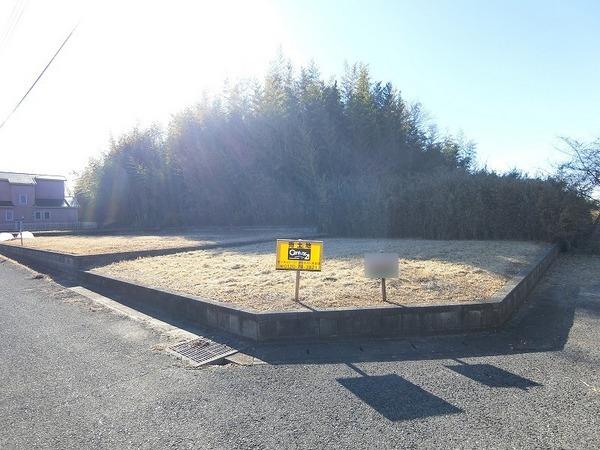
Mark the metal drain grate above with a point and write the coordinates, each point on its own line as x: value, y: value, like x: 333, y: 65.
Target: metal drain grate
x: 203, y: 351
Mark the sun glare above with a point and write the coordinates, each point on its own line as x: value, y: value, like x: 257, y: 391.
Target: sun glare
x: 129, y: 63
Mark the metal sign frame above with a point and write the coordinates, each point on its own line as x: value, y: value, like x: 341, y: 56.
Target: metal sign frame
x: 298, y: 255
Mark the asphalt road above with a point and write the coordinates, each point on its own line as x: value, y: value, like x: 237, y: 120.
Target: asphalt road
x: 73, y: 375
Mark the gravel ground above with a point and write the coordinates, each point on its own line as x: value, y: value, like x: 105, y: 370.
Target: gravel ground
x: 75, y: 376
x: 430, y: 272
x: 96, y: 244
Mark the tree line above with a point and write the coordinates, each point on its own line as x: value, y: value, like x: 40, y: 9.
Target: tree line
x: 350, y: 156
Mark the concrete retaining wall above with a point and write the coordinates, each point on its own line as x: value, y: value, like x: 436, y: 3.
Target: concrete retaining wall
x: 88, y: 261
x: 64, y: 263
x: 43, y: 260
x: 333, y: 323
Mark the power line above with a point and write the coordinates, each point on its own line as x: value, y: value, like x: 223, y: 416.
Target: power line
x: 12, y: 18
x: 39, y: 76
x: 13, y: 21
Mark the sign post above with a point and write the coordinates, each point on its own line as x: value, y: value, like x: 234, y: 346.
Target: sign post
x: 21, y: 229
x: 297, y: 292
x: 381, y: 265
x: 298, y: 255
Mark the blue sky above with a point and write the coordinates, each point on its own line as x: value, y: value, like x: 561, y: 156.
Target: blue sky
x: 512, y: 76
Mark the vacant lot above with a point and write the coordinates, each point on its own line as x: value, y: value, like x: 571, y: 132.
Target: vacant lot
x: 97, y: 244
x: 430, y: 272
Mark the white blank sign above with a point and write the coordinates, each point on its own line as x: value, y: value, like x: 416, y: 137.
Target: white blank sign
x: 381, y: 265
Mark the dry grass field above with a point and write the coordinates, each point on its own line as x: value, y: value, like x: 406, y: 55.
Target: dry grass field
x: 98, y: 244
x: 430, y: 272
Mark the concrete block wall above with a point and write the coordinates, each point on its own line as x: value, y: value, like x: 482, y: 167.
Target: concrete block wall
x: 388, y: 321
x: 42, y: 259
x: 50, y: 260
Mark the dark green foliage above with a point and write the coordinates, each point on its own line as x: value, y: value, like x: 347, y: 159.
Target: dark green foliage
x: 353, y: 158
x: 456, y: 205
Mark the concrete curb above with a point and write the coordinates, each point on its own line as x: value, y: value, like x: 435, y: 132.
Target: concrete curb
x: 392, y: 321
x: 70, y: 264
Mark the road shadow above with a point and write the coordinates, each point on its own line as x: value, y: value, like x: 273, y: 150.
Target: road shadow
x: 492, y: 376
x: 396, y: 398
x: 542, y: 324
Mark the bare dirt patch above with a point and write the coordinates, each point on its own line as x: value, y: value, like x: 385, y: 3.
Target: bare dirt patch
x: 430, y: 272
x: 96, y: 244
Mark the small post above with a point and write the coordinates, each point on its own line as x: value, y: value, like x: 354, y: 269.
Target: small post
x: 297, y: 285
x: 383, y: 293
x: 21, y: 230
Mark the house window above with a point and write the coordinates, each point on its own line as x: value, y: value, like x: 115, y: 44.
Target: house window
x: 46, y: 215
x: 38, y: 215
x: 9, y: 215
x: 22, y: 199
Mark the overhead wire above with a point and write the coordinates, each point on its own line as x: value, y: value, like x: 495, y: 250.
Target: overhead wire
x: 39, y: 76
x: 13, y: 22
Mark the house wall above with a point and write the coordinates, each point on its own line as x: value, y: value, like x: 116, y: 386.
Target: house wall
x: 59, y: 215
x: 47, y: 189
x: 4, y: 190
x: 17, y: 190
x: 19, y: 210
x: 3, y: 216
x: 50, y: 189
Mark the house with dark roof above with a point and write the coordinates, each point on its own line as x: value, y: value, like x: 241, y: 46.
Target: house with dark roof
x: 38, y: 200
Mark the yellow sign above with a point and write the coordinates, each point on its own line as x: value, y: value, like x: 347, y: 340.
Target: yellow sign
x: 298, y: 255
